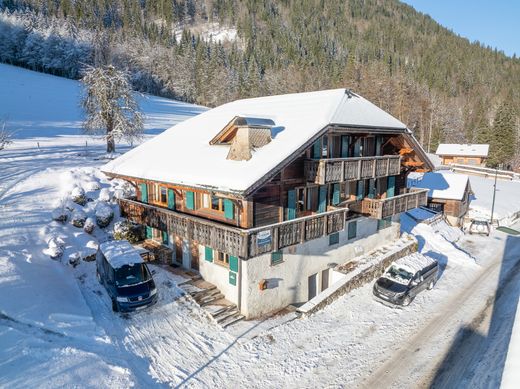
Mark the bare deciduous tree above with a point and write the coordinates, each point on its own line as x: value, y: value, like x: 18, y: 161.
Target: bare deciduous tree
x: 5, y: 135
x: 110, y: 106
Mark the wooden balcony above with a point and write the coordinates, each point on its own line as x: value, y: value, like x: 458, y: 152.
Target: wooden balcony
x: 326, y: 171
x: 382, y: 208
x: 243, y: 243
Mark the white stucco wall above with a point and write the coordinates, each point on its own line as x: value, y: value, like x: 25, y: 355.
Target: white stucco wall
x: 288, y: 281
x: 218, y: 275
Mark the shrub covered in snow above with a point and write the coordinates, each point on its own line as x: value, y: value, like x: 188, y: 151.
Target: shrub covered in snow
x: 104, y: 215
x: 124, y: 190
x: 74, y: 259
x: 56, y: 247
x: 78, y: 196
x: 91, y: 186
x: 60, y: 214
x: 127, y: 230
x: 89, y: 226
x: 105, y: 195
x: 78, y: 218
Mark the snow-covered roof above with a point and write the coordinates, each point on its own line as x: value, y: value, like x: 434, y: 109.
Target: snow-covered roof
x: 183, y: 155
x: 119, y: 253
x: 445, y: 185
x: 470, y: 150
x: 414, y: 262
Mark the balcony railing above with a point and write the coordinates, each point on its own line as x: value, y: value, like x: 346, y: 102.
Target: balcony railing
x: 243, y: 243
x: 382, y: 208
x: 325, y: 171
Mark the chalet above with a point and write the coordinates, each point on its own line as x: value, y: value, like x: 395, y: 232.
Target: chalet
x: 464, y: 154
x: 449, y: 193
x: 264, y: 196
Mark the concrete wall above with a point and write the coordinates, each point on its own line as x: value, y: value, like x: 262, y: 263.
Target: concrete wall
x: 218, y: 275
x: 287, y: 282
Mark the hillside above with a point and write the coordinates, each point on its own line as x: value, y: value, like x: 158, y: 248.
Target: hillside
x: 214, y: 51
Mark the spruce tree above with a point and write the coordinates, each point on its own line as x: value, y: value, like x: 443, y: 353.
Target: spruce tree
x: 504, y: 137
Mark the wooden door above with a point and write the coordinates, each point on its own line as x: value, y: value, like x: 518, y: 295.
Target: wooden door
x: 194, y: 255
x: 324, y: 279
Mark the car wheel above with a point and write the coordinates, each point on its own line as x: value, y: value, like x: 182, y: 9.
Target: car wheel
x: 407, y: 301
x: 115, y: 308
x: 430, y: 285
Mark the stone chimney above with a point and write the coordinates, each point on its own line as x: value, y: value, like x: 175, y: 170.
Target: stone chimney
x: 246, y: 139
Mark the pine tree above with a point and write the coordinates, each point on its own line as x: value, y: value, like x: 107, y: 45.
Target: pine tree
x: 110, y: 106
x: 503, y: 145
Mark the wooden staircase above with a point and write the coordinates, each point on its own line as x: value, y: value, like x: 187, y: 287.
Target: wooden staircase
x: 209, y: 297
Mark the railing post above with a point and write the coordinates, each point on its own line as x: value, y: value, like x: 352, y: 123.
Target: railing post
x: 302, y: 231
x: 342, y: 170
x: 374, y: 162
x: 325, y: 224
x: 388, y: 168
x: 359, y: 169
x: 276, y: 233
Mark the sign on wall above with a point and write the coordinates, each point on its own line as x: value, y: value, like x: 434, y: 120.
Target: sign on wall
x: 263, y: 238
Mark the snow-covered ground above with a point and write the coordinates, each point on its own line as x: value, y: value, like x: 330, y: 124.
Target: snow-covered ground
x: 57, y: 328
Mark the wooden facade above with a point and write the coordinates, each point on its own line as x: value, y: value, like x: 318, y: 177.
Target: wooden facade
x: 339, y: 175
x: 463, y: 160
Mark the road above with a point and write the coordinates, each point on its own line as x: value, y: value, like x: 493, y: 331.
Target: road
x: 465, y: 344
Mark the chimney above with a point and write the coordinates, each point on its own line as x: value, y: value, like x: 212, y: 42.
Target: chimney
x: 245, y: 140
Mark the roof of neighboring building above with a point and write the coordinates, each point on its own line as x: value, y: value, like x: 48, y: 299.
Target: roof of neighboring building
x: 444, y: 186
x: 183, y: 155
x: 469, y: 150
x: 119, y: 253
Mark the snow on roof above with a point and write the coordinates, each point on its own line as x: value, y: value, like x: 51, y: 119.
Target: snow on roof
x: 414, y: 262
x: 182, y: 154
x: 119, y: 253
x: 471, y: 150
x: 445, y: 185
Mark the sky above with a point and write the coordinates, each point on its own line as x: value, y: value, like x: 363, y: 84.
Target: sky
x: 492, y: 22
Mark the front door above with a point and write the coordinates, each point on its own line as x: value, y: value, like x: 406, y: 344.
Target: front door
x: 195, y: 255
x: 324, y: 279
x: 312, y: 285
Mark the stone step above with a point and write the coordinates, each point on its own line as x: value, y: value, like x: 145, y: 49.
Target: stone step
x: 232, y: 320
x: 222, y: 312
x: 210, y: 299
x: 201, y: 292
x: 207, y: 293
x: 222, y: 317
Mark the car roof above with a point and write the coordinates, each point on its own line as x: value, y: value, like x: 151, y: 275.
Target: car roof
x: 119, y: 253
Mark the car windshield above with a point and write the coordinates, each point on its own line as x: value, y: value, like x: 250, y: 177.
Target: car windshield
x: 399, y: 274
x: 131, y: 274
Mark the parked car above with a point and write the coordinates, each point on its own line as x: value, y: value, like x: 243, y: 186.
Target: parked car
x: 125, y: 276
x: 405, y: 278
x: 480, y: 226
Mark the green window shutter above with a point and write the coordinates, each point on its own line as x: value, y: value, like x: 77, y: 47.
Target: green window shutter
x: 334, y: 238
x: 190, y: 200
x: 233, y: 278
x: 276, y: 257
x: 149, y: 232
x: 144, y: 193
x: 229, y: 209
x: 316, y: 149
x: 345, y: 141
x: 379, y: 143
x: 335, y: 194
x: 208, y: 254
x: 291, y: 205
x: 371, y: 188
x: 322, y: 200
x: 164, y: 237
x: 233, y: 263
x: 390, y: 192
x: 171, y: 199
x: 384, y: 223
x: 360, y: 189
x: 352, y: 230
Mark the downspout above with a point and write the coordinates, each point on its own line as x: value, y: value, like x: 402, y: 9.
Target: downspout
x: 239, y: 299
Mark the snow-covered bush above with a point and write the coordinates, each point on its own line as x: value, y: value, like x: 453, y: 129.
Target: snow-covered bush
x: 56, y: 247
x: 89, y: 254
x: 124, y: 190
x: 105, y: 195
x: 89, y: 226
x: 104, y: 215
x: 92, y: 186
x: 60, y: 214
x: 78, y: 218
x: 78, y: 196
x: 127, y: 230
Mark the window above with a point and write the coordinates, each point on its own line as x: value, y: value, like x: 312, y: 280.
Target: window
x: 334, y: 238
x: 276, y: 258
x: 208, y: 254
x: 352, y: 230
x: 164, y: 196
x: 384, y: 223
x: 221, y: 259
x: 216, y: 203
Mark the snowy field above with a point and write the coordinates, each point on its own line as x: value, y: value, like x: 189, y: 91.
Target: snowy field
x: 57, y: 328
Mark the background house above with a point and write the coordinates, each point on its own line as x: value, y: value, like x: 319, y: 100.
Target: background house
x: 465, y: 154
x: 449, y: 193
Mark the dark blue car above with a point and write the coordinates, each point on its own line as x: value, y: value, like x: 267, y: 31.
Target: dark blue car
x: 125, y: 276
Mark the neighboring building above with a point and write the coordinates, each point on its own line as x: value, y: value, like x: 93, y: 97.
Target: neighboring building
x: 465, y: 154
x: 264, y: 196
x: 449, y: 193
